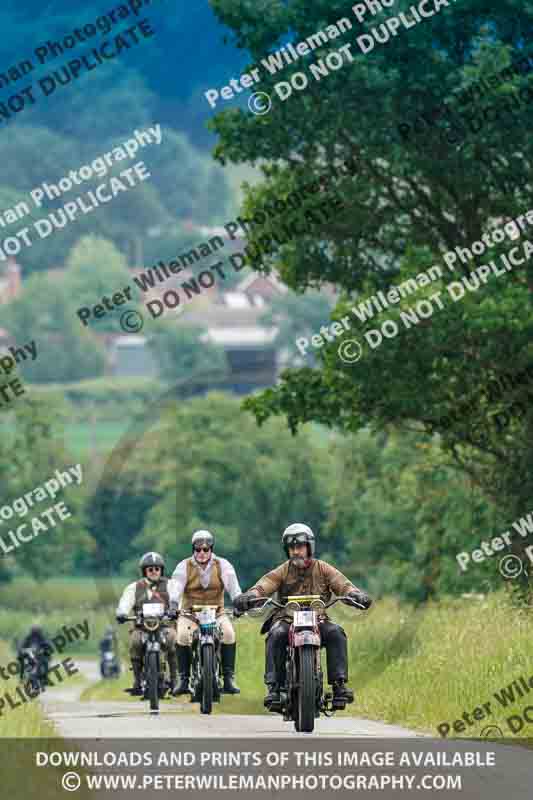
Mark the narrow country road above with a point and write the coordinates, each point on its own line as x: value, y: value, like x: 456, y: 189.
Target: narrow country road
x: 101, y: 719
x: 95, y: 727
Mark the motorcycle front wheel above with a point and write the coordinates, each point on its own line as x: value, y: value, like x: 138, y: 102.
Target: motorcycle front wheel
x: 306, y: 691
x: 208, y: 675
x: 152, y: 681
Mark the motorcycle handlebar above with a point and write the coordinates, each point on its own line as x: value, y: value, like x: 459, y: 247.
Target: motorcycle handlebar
x: 270, y: 601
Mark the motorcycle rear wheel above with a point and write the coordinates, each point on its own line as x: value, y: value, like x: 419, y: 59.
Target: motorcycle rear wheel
x: 208, y: 676
x: 152, y: 681
x: 306, y: 692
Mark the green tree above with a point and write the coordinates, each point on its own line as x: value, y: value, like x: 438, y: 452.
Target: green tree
x: 405, y: 514
x: 218, y: 471
x: 183, y: 351
x: 65, y: 352
x: 96, y: 268
x: 296, y: 316
x: 413, y: 198
x: 34, y: 426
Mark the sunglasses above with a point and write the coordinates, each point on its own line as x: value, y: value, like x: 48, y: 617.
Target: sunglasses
x: 202, y: 549
x: 153, y: 569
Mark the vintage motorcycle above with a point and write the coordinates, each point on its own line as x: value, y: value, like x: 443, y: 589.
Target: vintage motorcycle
x: 34, y: 670
x: 109, y: 665
x: 205, y: 670
x: 302, y: 699
x: 152, y: 624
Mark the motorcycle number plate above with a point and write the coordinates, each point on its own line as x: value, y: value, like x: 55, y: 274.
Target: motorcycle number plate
x: 153, y: 609
x: 207, y: 616
x: 304, y: 619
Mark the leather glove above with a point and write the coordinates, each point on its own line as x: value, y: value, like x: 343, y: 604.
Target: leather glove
x: 243, y: 602
x: 173, y: 610
x: 121, y: 618
x: 362, y: 598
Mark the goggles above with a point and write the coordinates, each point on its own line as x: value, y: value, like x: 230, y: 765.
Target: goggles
x: 300, y: 538
x: 205, y: 549
x: 153, y: 569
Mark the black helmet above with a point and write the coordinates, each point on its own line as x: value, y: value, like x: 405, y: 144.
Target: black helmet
x: 298, y: 534
x: 203, y: 537
x: 152, y: 560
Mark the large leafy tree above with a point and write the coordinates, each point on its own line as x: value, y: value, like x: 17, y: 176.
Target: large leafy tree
x: 412, y: 199
x: 218, y: 471
x: 34, y: 426
x: 65, y: 351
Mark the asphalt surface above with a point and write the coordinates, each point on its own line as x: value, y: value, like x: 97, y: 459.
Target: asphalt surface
x: 74, y: 719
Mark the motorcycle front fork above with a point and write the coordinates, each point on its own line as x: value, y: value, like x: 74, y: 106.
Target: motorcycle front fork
x: 288, y: 691
x: 196, y: 673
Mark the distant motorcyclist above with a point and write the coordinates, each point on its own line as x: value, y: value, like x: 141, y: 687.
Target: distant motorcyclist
x: 108, y: 642
x: 153, y: 587
x: 303, y: 574
x: 37, y: 641
x: 201, y: 580
x: 109, y: 662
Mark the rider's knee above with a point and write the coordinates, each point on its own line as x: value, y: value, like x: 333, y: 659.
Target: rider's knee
x: 278, y: 633
x: 228, y: 635
x: 185, y: 631
x: 184, y: 639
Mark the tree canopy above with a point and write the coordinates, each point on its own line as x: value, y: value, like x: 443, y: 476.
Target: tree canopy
x: 413, y: 199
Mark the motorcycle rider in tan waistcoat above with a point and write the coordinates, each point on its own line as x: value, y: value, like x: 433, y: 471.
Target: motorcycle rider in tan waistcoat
x: 202, y: 580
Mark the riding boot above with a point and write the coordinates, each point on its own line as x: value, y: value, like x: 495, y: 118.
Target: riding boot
x: 228, y: 654
x: 172, y: 662
x: 184, y: 667
x: 342, y: 693
x: 137, y: 667
x: 273, y: 697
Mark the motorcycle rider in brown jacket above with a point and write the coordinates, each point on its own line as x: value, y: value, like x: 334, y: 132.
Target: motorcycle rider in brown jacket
x: 303, y: 574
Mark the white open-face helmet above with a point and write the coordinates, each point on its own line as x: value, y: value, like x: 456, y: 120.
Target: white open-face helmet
x: 298, y: 533
x: 203, y: 537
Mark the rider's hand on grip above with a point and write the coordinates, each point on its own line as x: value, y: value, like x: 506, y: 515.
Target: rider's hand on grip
x: 243, y: 602
x: 121, y: 618
x: 361, y: 598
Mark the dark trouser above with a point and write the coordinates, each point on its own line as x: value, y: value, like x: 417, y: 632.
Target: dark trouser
x: 333, y: 637
x: 136, y: 648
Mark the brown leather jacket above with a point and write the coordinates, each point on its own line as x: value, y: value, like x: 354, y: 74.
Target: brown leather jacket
x: 318, y: 578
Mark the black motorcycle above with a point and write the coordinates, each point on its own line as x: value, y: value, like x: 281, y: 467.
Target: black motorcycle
x: 33, y: 669
x: 152, y: 623
x: 109, y: 664
x: 302, y: 699
x: 205, y: 670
